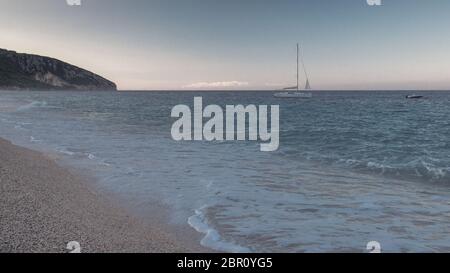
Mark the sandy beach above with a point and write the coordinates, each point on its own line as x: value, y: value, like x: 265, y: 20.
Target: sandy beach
x: 44, y: 206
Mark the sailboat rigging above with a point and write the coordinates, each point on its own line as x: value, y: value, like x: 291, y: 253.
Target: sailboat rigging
x: 296, y: 93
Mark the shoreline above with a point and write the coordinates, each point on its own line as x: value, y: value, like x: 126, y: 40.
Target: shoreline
x: 45, y: 206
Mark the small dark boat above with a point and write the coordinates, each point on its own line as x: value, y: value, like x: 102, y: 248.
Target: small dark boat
x: 414, y: 97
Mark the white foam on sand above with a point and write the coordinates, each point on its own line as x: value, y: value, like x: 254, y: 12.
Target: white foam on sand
x: 33, y: 139
x: 212, y: 238
x: 64, y: 151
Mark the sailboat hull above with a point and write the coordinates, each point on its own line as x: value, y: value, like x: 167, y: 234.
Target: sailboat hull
x: 294, y: 95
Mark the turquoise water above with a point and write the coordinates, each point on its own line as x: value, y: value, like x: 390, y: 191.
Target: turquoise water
x: 352, y: 167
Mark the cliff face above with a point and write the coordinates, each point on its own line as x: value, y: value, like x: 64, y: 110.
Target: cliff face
x: 32, y: 72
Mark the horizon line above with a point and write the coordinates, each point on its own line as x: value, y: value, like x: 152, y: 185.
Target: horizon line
x: 259, y: 90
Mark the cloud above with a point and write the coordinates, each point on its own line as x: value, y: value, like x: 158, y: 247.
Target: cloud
x: 228, y: 84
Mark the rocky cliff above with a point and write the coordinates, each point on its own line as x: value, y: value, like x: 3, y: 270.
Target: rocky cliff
x: 32, y: 72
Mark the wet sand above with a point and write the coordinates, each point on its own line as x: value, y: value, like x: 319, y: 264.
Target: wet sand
x: 43, y: 206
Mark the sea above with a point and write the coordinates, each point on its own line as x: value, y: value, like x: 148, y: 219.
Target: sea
x: 352, y: 167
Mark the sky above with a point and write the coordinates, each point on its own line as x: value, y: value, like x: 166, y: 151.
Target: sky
x: 239, y: 44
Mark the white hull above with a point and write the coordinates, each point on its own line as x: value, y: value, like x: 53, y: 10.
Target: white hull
x: 414, y: 97
x: 299, y: 95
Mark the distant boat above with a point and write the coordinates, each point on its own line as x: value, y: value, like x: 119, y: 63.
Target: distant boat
x: 414, y: 97
x: 296, y: 91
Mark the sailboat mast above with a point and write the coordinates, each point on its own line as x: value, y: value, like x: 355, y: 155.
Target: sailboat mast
x: 297, y: 64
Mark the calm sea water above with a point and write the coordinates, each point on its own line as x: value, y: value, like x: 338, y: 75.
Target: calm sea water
x: 352, y: 167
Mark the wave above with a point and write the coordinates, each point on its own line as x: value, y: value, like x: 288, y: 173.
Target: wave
x: 212, y: 238
x: 81, y: 156
x: 34, y: 104
x: 420, y: 168
x: 33, y: 139
x: 65, y: 152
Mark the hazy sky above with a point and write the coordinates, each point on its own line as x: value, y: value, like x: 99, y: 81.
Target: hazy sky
x: 239, y: 44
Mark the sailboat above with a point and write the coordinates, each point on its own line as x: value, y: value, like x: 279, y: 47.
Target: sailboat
x: 294, y: 92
